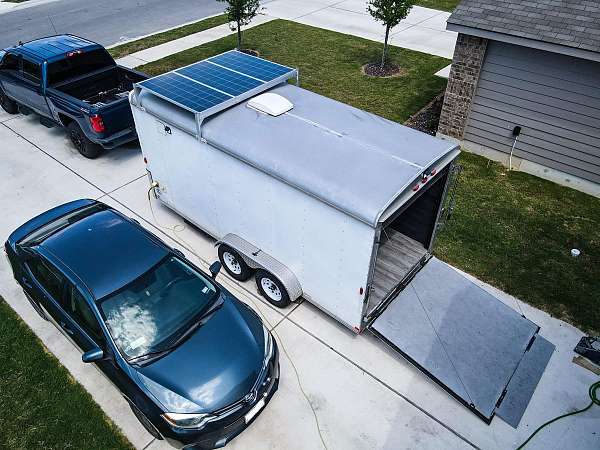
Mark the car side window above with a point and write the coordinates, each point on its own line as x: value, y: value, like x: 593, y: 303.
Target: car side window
x: 10, y: 62
x: 80, y: 311
x: 32, y: 71
x: 50, y: 279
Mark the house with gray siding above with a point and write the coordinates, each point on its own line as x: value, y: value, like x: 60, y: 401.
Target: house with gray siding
x: 533, y: 64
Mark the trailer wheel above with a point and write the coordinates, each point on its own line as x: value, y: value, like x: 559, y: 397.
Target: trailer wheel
x: 80, y: 141
x: 8, y: 105
x: 272, y: 289
x: 234, y: 264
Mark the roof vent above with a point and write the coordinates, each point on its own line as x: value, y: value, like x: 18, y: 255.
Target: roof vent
x: 269, y: 103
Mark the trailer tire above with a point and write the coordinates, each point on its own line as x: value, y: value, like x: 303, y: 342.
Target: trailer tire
x: 8, y: 105
x: 81, y: 142
x: 234, y: 264
x: 272, y: 289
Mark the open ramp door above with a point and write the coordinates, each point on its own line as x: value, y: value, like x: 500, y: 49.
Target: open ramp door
x: 480, y: 350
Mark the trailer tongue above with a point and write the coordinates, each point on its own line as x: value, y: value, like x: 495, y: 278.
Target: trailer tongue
x: 477, y: 348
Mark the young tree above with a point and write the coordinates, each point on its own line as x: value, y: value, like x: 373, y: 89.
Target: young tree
x: 390, y: 12
x: 241, y: 12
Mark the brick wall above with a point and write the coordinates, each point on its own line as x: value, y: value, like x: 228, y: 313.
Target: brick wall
x: 464, y: 75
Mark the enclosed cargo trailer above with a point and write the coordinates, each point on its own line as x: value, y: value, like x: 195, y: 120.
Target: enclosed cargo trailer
x: 327, y: 202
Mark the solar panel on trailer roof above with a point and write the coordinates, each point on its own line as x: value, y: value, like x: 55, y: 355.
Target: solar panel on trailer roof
x: 217, y: 77
x: 222, y: 79
x: 250, y: 65
x: 187, y: 93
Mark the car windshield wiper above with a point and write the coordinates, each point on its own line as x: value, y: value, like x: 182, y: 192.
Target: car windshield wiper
x: 146, y: 357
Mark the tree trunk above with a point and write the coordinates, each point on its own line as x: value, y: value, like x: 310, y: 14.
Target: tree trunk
x: 239, y: 35
x: 385, y: 46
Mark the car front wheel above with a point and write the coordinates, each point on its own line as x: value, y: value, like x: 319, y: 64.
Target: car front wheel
x: 81, y: 142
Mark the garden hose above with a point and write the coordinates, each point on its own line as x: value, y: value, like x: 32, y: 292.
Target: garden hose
x: 594, y: 388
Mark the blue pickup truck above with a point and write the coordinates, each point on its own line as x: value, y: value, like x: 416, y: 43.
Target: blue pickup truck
x: 72, y: 83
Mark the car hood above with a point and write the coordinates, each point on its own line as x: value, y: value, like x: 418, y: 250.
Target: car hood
x: 215, y: 367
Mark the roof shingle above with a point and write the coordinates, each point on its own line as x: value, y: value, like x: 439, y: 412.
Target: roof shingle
x: 572, y: 23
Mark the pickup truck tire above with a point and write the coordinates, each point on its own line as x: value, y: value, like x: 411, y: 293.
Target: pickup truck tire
x: 8, y: 105
x: 234, y: 264
x: 272, y: 289
x: 80, y: 141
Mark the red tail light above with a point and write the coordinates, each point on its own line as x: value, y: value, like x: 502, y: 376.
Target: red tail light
x: 97, y: 123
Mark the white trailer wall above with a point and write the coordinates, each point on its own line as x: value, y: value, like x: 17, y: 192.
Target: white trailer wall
x: 328, y: 251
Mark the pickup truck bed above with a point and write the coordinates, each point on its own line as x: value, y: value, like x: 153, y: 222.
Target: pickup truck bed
x: 72, y: 83
x: 102, y: 88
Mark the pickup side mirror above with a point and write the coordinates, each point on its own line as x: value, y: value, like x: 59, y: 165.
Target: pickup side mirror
x: 93, y: 355
x: 215, y: 268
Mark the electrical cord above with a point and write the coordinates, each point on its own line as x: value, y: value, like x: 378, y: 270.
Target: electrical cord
x: 178, y: 228
x: 593, y: 392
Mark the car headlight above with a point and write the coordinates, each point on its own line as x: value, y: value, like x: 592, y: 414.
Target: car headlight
x: 269, y: 347
x: 194, y: 421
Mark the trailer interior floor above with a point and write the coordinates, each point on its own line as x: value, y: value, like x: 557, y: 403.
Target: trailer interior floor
x: 397, y: 255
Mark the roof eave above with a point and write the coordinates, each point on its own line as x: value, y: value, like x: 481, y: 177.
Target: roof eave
x: 524, y: 42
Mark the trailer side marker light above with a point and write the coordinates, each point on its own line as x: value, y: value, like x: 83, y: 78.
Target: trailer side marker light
x: 424, y: 180
x: 360, y: 291
x: 416, y: 188
x: 433, y: 172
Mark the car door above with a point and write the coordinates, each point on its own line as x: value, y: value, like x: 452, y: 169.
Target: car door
x: 88, y: 335
x: 33, y: 95
x: 45, y: 284
x: 9, y: 75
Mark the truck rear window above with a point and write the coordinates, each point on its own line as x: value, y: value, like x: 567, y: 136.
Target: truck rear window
x: 77, y: 65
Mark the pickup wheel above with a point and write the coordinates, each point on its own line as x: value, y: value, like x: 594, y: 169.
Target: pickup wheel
x: 80, y: 141
x: 234, y: 264
x: 8, y: 105
x: 272, y: 289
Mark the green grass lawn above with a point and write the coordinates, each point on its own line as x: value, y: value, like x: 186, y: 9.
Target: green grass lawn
x: 515, y: 231
x: 330, y: 64
x: 444, y: 5
x: 512, y: 230
x: 41, y: 406
x: 160, y: 38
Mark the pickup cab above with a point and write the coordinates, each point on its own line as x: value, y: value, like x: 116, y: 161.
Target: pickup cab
x: 72, y: 83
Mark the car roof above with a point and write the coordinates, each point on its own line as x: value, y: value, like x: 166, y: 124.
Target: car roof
x: 105, y: 251
x: 53, y: 47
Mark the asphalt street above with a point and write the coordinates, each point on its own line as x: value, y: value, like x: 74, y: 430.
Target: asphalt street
x: 103, y: 22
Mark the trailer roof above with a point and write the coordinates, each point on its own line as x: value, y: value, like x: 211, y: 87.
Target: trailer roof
x: 351, y: 159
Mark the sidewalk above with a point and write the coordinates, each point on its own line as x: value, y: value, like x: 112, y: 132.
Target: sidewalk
x: 423, y: 30
x: 178, y: 45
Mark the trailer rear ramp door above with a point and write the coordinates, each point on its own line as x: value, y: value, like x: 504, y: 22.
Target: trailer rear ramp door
x: 477, y: 348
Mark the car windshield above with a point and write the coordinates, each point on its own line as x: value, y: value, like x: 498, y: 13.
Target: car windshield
x: 149, y: 314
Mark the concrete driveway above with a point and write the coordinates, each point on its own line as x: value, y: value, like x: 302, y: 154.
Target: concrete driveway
x: 365, y: 396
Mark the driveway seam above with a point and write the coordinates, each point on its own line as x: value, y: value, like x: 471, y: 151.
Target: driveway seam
x: 52, y: 157
x: 383, y: 383
x: 149, y: 444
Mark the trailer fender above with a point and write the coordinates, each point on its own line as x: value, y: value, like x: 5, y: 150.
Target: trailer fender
x: 258, y: 259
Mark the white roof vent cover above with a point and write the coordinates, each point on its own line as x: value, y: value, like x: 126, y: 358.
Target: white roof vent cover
x: 272, y: 104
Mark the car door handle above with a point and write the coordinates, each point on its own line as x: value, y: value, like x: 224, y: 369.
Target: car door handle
x: 66, y: 328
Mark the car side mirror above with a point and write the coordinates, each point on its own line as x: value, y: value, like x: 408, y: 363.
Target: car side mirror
x: 93, y: 355
x: 215, y: 268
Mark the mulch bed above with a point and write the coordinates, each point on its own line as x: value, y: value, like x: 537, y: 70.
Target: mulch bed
x: 427, y: 119
x: 374, y: 69
x: 251, y: 52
